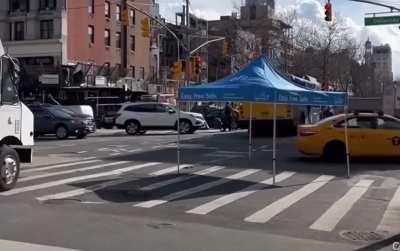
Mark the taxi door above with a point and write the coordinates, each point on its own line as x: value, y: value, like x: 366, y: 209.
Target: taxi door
x: 387, y: 140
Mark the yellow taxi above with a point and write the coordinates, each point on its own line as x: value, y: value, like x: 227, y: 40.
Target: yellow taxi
x: 369, y: 134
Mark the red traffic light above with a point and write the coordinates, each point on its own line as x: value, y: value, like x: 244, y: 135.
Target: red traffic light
x: 328, y: 12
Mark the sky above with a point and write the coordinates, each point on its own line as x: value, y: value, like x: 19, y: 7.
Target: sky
x: 353, y: 12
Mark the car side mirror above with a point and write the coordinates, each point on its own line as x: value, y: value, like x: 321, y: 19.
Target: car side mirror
x: 170, y: 111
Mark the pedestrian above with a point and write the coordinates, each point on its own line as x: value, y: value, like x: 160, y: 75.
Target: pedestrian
x: 227, y: 123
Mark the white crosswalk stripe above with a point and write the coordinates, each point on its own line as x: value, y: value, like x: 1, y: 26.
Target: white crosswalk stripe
x: 391, y: 218
x: 84, y: 169
x: 267, y: 213
x: 186, y: 192
x: 329, y: 220
x: 224, y: 200
x: 169, y: 170
x: 182, y: 178
x: 75, y: 179
x: 41, y: 169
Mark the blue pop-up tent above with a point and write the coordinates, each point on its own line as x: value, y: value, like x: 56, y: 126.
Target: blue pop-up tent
x: 259, y: 82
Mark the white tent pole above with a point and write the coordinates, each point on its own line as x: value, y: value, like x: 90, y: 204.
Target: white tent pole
x: 178, y: 144
x: 274, y: 147
x: 250, y: 131
x: 346, y: 135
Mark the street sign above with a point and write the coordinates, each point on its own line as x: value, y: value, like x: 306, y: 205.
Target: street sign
x: 382, y: 20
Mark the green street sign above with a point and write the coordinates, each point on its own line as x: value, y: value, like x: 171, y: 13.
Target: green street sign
x: 382, y: 20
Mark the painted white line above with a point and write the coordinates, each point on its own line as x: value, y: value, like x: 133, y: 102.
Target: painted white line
x: 169, y: 170
x: 182, y: 178
x: 30, y: 170
x: 74, y: 179
x: 115, y: 154
x: 329, y: 220
x: 82, y: 152
x: 135, y: 150
x: 81, y: 191
x: 186, y: 192
x: 84, y: 169
x: 270, y: 211
x: 18, y: 246
x: 229, y: 198
x: 391, y: 219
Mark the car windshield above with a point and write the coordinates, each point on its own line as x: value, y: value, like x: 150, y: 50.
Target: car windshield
x: 60, y: 113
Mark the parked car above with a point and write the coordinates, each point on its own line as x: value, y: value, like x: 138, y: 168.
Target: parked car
x: 136, y: 118
x: 369, y: 134
x: 60, y: 121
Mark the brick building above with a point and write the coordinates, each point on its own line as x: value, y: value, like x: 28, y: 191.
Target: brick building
x: 83, y: 36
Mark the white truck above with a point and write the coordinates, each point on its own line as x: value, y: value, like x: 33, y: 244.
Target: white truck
x: 16, y: 124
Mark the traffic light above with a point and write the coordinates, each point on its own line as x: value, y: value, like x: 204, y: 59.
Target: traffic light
x: 125, y: 17
x: 328, y: 12
x: 197, y: 65
x: 177, y: 70
x: 226, y: 50
x: 145, y: 27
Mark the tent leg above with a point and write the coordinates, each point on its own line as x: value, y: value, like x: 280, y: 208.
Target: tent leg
x: 274, y: 147
x: 178, y: 144
x: 250, y: 131
x: 346, y: 135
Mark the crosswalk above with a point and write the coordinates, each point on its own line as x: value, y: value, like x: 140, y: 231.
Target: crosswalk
x: 239, y: 186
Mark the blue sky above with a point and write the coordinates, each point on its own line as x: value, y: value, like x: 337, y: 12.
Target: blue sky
x: 352, y: 11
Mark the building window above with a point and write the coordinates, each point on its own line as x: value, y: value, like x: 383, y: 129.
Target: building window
x: 107, y: 9
x: 47, y: 4
x: 132, y: 15
x: 118, y: 38
x: 107, y: 37
x: 141, y: 72
x: 133, y: 43
x: 46, y: 29
x: 19, y: 31
x: 253, y: 12
x: 133, y: 71
x: 91, y: 33
x: 19, y: 5
x: 118, y: 12
x: 91, y: 6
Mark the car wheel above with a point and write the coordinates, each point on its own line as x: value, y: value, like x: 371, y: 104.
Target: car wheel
x: 142, y: 132
x: 61, y: 132
x: 9, y: 168
x: 132, y: 127
x: 335, y: 152
x: 185, y: 127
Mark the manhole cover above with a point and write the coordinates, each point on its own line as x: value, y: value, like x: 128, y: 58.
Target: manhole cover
x: 160, y: 225
x: 61, y: 201
x: 354, y: 235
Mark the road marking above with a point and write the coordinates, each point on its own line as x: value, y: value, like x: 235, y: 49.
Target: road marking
x: 30, y: 170
x: 182, y: 178
x: 81, y: 191
x: 115, y: 154
x: 157, y: 147
x: 329, y: 220
x: 267, y: 213
x: 169, y: 170
x: 17, y: 245
x: 391, y: 218
x: 40, y: 176
x: 229, y: 198
x: 186, y: 192
x: 82, y: 152
x: 135, y: 150
x: 74, y: 179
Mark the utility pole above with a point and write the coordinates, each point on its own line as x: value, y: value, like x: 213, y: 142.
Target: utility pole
x: 124, y: 41
x: 187, y: 17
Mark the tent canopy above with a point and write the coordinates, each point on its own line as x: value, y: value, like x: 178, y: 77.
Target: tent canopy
x: 259, y: 82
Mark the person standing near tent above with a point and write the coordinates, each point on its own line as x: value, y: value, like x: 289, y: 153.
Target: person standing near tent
x: 227, y: 122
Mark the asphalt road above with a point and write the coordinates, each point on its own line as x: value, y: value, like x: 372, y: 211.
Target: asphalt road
x: 115, y: 192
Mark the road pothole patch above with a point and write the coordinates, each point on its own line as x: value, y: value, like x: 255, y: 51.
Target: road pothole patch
x: 367, y: 236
